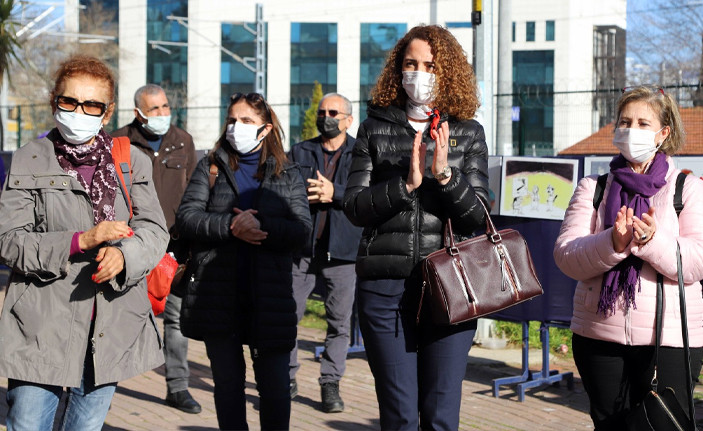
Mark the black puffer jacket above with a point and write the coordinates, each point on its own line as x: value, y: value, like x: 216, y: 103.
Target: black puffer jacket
x: 262, y: 313
x: 401, y: 228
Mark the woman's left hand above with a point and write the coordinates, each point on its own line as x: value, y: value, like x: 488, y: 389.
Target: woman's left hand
x: 110, y: 263
x: 441, y: 151
x: 643, y: 229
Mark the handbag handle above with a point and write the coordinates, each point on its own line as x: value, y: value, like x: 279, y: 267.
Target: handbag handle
x: 684, y: 332
x: 684, y: 335
x: 491, y: 230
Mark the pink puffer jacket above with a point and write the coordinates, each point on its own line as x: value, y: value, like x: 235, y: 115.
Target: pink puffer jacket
x: 584, y: 252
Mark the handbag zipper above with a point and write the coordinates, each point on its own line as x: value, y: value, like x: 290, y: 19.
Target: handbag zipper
x: 506, y: 270
x: 668, y: 412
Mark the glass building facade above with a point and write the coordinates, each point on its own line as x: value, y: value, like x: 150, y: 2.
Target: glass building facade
x: 376, y: 41
x: 167, y: 65
x: 234, y: 76
x: 313, y: 57
x: 533, y: 93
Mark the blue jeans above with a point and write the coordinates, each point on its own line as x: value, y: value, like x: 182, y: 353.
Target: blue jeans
x: 33, y: 406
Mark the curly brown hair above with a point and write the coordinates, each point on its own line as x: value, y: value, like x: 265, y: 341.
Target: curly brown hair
x: 455, y: 82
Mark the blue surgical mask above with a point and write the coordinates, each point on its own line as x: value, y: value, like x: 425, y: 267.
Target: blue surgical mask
x: 156, y: 125
x: 75, y: 128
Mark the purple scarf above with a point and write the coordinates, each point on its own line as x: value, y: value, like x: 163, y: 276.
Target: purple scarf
x: 102, y: 188
x: 633, y: 190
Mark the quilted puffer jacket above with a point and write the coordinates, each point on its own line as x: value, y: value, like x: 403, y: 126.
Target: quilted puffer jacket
x: 262, y: 312
x: 584, y: 251
x: 401, y: 228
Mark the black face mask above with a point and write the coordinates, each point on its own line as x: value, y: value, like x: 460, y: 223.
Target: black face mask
x: 328, y: 127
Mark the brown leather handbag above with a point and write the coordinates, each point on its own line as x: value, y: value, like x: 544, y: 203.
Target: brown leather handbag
x: 479, y: 276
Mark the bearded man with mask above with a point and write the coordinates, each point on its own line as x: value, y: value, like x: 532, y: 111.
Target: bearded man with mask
x: 173, y: 157
x: 329, y: 255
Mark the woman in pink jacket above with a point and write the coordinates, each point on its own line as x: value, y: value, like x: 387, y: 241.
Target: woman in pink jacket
x: 615, y: 253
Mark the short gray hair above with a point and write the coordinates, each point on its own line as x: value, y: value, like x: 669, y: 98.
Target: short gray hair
x: 150, y: 89
x: 347, y: 103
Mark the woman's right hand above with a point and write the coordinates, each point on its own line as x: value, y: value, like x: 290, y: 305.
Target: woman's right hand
x: 622, y: 229
x: 247, y: 227
x: 417, y: 163
x: 104, y: 231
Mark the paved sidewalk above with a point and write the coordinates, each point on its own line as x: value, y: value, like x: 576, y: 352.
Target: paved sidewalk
x: 138, y: 403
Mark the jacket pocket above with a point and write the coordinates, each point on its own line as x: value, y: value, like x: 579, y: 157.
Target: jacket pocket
x: 175, y: 161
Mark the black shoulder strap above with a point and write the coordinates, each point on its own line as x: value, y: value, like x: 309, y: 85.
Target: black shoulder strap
x: 598, y: 192
x: 678, y: 193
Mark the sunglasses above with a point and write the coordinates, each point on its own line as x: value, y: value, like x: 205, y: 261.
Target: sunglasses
x: 252, y: 98
x: 332, y: 112
x: 635, y: 87
x: 90, y: 107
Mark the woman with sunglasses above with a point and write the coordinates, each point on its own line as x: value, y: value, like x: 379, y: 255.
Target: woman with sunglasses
x: 246, y: 214
x: 617, y: 248
x: 419, y: 159
x: 76, y: 313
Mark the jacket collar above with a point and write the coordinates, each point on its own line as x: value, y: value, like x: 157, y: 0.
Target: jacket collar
x: 394, y: 114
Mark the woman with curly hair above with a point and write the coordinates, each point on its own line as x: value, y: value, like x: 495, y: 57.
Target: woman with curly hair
x: 419, y: 159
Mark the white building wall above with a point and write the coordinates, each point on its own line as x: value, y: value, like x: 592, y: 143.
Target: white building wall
x: 575, y: 21
x: 204, y: 60
x: 573, y: 45
x: 133, y: 48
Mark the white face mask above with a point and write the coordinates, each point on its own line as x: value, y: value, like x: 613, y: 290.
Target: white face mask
x: 157, y: 125
x: 418, y: 86
x: 636, y: 145
x: 242, y: 137
x: 77, y: 128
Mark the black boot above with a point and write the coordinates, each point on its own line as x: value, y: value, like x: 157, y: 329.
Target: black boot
x: 183, y: 401
x: 331, y: 401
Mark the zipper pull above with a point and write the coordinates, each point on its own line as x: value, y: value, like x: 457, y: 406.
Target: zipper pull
x: 329, y: 258
x: 255, y: 352
x: 504, y: 283
x: 92, y: 345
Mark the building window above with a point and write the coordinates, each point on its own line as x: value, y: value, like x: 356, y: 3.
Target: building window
x: 234, y: 76
x: 167, y: 64
x: 550, y: 31
x: 513, y: 31
x: 101, y: 18
x: 313, y: 57
x: 376, y: 41
x: 533, y: 89
x: 530, y: 31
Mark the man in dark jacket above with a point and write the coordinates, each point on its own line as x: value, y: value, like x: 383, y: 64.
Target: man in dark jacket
x: 331, y: 249
x: 172, y: 152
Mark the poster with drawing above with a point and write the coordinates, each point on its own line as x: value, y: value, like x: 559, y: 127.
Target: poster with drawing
x: 537, y: 187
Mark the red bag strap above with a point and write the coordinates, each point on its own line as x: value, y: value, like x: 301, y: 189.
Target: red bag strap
x: 123, y: 167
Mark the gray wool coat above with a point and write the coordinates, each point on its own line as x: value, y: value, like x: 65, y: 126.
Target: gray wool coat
x: 46, y: 316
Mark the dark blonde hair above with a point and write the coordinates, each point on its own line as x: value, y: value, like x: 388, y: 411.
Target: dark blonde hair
x: 272, y: 143
x: 666, y: 109
x: 83, y: 65
x: 455, y: 82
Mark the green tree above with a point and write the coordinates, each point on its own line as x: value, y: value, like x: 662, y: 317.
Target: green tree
x: 8, y: 45
x: 310, y: 121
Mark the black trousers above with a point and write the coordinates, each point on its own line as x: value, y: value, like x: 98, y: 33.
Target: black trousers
x: 617, y: 377
x: 229, y: 372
